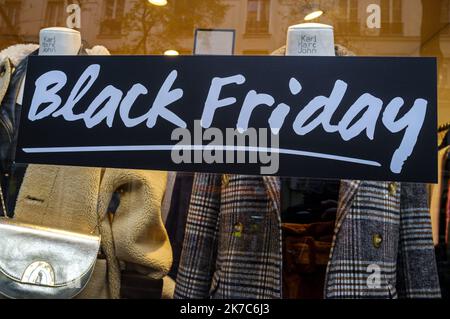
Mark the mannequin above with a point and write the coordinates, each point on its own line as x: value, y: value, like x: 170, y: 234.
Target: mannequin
x: 233, y: 248
x: 308, y: 205
x: 308, y: 39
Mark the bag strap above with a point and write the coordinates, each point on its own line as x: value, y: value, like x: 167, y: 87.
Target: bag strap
x: 2, y: 199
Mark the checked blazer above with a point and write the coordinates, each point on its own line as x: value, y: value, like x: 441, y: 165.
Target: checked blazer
x: 382, y: 245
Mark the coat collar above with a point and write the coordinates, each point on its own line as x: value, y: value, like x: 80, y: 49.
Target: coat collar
x: 347, y: 192
x: 272, y: 184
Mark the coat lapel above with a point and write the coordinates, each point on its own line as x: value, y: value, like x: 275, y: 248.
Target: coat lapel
x: 347, y: 192
x: 272, y: 184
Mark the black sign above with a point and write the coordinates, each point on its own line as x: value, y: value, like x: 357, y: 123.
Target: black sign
x: 331, y: 117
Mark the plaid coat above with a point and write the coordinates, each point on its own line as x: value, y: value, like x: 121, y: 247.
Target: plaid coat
x: 382, y: 246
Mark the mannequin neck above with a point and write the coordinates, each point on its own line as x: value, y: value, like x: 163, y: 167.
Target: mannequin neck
x: 59, y: 41
x: 310, y: 39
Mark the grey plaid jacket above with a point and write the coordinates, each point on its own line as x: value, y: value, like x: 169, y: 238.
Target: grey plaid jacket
x: 382, y: 246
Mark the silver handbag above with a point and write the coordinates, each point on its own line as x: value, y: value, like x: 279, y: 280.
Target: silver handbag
x: 39, y: 262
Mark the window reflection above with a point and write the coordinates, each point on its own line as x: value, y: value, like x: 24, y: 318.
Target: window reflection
x: 10, y: 15
x: 54, y: 13
x: 258, y: 16
x: 391, y: 17
x: 111, y: 24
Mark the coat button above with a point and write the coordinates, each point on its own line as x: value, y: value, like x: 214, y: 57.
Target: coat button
x: 392, y: 188
x: 377, y: 240
x: 238, y: 228
x: 225, y: 180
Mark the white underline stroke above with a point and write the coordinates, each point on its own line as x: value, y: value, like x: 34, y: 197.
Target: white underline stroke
x: 139, y: 148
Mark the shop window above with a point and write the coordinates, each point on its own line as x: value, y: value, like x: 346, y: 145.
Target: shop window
x: 445, y: 17
x: 391, y: 17
x: 353, y: 10
x: 55, y: 14
x: 9, y: 16
x: 185, y: 52
x: 111, y: 24
x: 180, y: 8
x: 255, y: 52
x: 348, y: 22
x: 183, y: 21
x: 258, y: 16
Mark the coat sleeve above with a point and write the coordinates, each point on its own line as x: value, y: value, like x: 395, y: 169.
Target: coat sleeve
x: 417, y: 275
x: 199, y: 251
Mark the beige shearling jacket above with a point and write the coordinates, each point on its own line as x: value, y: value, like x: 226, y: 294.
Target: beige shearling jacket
x: 77, y: 199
